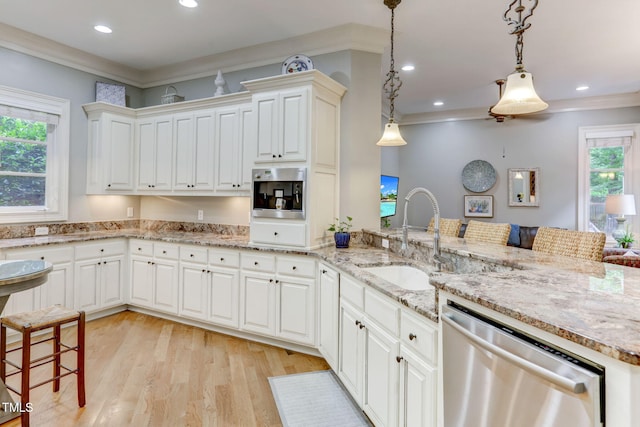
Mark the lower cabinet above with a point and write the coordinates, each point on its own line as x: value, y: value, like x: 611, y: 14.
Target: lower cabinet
x: 99, y: 274
x: 329, y: 314
x: 277, y: 296
x: 393, y: 382
x: 210, y: 285
x: 58, y: 289
x: 154, y: 275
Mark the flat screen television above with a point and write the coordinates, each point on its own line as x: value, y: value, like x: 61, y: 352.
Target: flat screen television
x: 388, y: 195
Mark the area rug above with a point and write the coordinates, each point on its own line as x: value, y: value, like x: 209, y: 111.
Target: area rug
x: 315, y: 399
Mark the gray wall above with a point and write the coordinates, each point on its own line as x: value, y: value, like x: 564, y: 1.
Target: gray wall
x: 32, y: 74
x: 436, y: 154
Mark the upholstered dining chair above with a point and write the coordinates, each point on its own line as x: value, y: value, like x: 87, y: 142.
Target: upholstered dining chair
x: 487, y: 232
x: 448, y: 227
x: 576, y: 244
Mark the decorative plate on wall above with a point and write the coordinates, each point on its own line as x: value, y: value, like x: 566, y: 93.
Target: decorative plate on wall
x: 296, y: 64
x: 478, y: 176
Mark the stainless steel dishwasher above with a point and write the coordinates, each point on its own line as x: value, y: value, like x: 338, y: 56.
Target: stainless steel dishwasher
x: 495, y: 376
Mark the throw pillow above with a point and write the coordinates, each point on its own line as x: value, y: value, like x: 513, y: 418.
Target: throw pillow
x: 514, y: 235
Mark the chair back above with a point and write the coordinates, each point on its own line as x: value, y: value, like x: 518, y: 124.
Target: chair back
x: 448, y: 227
x: 576, y: 244
x: 487, y: 232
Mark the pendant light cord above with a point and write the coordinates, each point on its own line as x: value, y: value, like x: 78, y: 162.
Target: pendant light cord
x: 519, y: 24
x: 393, y: 83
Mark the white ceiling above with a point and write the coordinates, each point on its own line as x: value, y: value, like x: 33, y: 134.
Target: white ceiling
x: 459, y: 47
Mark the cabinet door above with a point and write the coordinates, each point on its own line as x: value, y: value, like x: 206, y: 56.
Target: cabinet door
x: 87, y: 280
x: 258, y: 306
x: 224, y: 296
x: 294, y: 113
x: 183, y: 152
x: 295, y: 307
x: 194, y: 284
x: 58, y: 288
x: 248, y: 143
x: 329, y: 314
x: 118, y: 138
x: 351, y: 357
x: 141, y: 282
x: 112, y: 281
x: 146, y: 140
x: 165, y: 289
x: 417, y: 391
x: 203, y: 159
x: 380, y: 400
x: 227, y: 149
x: 265, y: 109
x: 155, y: 151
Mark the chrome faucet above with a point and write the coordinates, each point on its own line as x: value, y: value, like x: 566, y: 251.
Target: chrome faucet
x: 436, y: 223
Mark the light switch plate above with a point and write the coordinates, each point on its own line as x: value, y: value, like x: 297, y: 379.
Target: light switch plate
x: 385, y: 243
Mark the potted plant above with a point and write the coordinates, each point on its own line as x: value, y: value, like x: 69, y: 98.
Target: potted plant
x: 626, y: 240
x: 341, y: 233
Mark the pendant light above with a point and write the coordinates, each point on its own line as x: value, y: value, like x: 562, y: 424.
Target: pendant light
x: 519, y: 96
x: 391, y: 136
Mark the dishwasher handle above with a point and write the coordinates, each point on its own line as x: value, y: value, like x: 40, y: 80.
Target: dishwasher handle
x: 552, y: 377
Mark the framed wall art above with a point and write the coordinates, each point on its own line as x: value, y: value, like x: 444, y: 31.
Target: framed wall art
x: 478, y: 206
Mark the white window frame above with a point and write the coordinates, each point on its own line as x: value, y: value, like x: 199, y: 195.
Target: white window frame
x: 57, y: 180
x: 632, y: 161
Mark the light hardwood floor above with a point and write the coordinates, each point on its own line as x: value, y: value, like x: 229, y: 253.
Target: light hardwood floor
x: 146, y: 371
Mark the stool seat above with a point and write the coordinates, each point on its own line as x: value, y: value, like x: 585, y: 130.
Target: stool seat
x: 41, y: 319
x: 27, y: 323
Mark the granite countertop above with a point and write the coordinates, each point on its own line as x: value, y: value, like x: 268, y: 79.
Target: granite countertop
x: 594, y: 304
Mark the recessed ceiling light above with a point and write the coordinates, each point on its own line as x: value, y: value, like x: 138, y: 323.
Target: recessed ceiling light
x: 438, y: 103
x: 188, y: 3
x: 583, y: 87
x: 103, y: 29
x: 408, y: 67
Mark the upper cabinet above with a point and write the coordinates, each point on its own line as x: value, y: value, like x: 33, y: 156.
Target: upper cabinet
x: 282, y: 125
x: 208, y: 147
x: 110, y: 162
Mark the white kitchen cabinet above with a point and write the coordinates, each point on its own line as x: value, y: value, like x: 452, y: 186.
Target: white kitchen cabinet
x: 99, y: 273
x: 154, y: 275
x: 278, y: 296
x: 234, y: 148
x: 154, y: 138
x: 279, y: 233
x: 193, y: 153
x: 417, y: 397
x: 329, y: 314
x: 58, y: 289
x: 282, y: 125
x: 351, y: 355
x: 110, y: 161
x: 210, y: 285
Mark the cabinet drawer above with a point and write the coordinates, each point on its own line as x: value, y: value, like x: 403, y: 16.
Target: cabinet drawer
x: 352, y: 291
x: 101, y: 249
x: 224, y: 258
x: 193, y: 254
x: 141, y: 247
x: 258, y: 262
x: 378, y: 308
x: 54, y: 255
x: 166, y: 251
x: 419, y: 334
x: 272, y: 233
x: 296, y: 266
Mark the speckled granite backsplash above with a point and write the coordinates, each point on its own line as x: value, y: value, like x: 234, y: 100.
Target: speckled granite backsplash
x: 21, y: 231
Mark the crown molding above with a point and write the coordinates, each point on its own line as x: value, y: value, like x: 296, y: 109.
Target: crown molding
x: 344, y: 37
x: 561, y: 106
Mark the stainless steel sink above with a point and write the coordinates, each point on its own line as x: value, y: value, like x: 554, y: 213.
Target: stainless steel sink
x: 403, y: 276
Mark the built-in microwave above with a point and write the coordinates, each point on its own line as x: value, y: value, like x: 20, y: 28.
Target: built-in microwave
x: 278, y: 193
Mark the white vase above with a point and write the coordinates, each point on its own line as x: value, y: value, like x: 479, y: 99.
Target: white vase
x: 219, y: 81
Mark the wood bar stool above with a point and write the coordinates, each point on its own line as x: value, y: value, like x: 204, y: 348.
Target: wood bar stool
x: 27, y: 323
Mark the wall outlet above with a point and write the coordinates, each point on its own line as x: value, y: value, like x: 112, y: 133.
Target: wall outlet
x: 42, y: 231
x: 385, y: 243
x: 129, y: 212
x: 200, y: 215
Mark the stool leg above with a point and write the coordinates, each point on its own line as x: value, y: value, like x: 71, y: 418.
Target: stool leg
x: 26, y: 367
x: 3, y: 353
x: 81, y: 391
x: 56, y: 358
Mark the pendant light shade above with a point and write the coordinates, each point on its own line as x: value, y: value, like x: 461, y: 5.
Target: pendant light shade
x: 391, y: 136
x: 519, y: 96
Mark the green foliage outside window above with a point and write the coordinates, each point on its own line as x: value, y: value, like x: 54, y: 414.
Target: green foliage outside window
x: 606, y: 177
x: 23, y: 162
